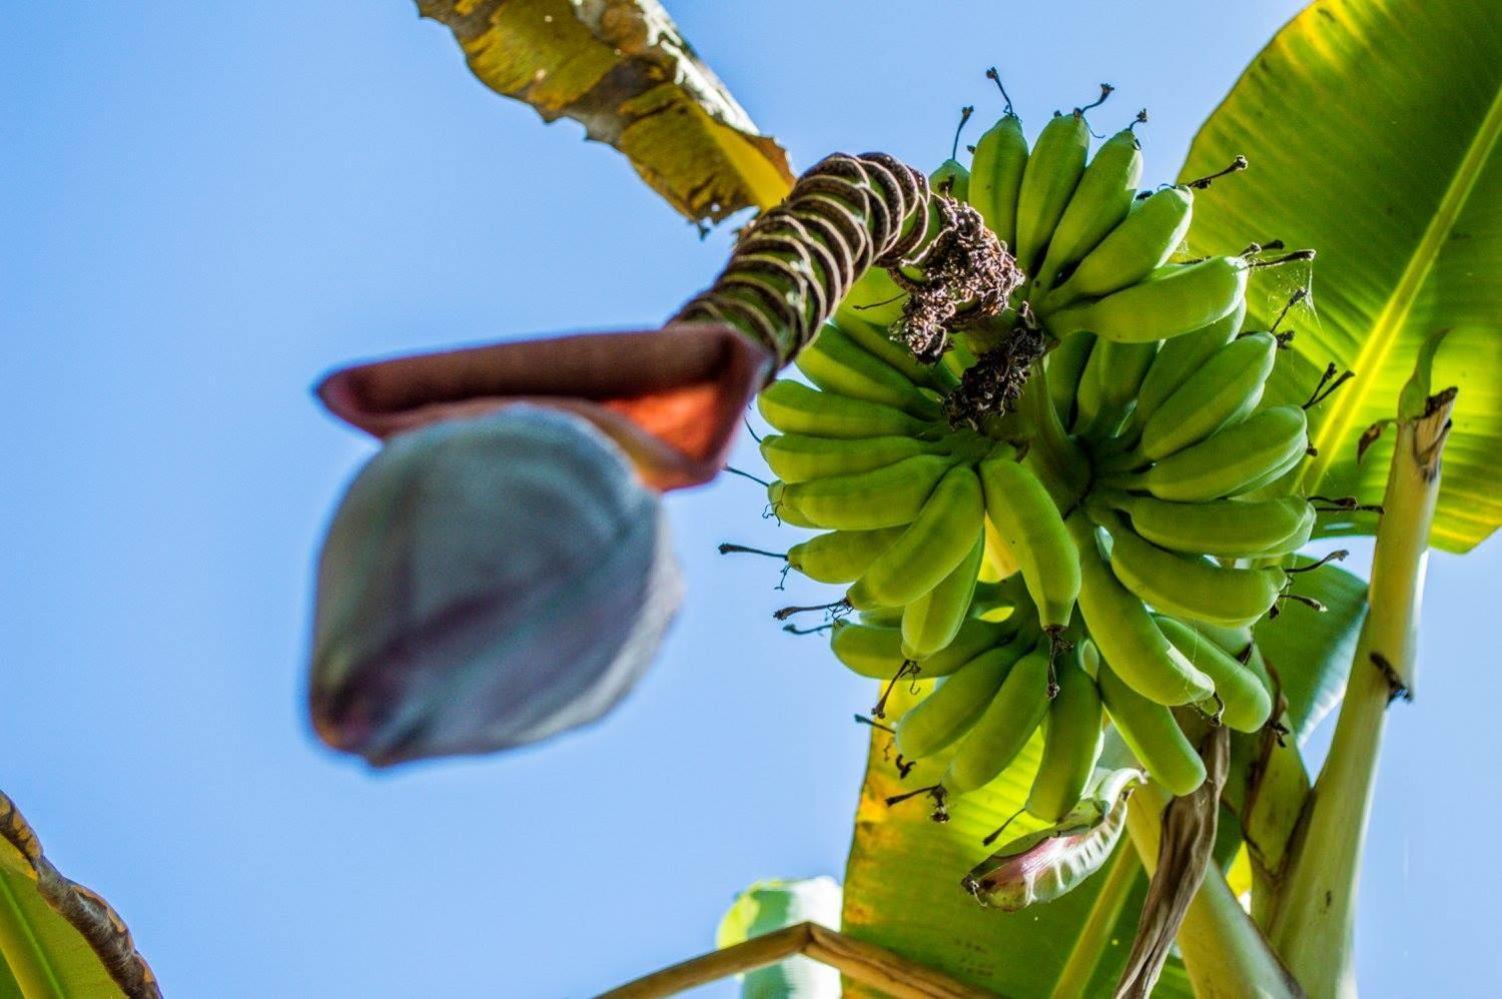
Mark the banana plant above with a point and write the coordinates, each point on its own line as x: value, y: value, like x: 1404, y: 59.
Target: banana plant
x: 1222, y: 817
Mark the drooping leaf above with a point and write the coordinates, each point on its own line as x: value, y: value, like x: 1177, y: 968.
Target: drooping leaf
x: 773, y: 905
x: 487, y: 583
x: 903, y: 882
x: 58, y: 938
x: 621, y: 68
x: 1372, y: 127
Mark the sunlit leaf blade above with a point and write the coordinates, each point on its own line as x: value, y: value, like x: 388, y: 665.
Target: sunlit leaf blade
x: 773, y: 905
x: 1373, y: 129
x: 57, y: 938
x: 621, y: 68
x: 903, y: 891
x: 1310, y: 650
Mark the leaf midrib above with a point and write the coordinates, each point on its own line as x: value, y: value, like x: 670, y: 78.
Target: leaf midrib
x: 1378, y: 344
x: 36, y: 963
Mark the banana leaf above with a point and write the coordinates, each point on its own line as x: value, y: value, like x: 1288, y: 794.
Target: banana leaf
x: 1372, y: 130
x: 622, y: 69
x: 57, y: 938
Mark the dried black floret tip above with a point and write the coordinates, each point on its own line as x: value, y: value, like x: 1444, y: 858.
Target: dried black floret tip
x: 995, y: 381
x: 965, y: 264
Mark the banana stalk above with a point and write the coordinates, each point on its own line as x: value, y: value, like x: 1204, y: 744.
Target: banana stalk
x: 1313, y: 926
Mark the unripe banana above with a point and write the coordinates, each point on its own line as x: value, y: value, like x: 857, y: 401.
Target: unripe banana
x: 1219, y: 528
x: 1126, y: 634
x: 935, y: 543
x: 1050, y: 177
x: 998, y: 735
x: 996, y: 176
x: 799, y: 457
x: 1267, y: 443
x: 1246, y: 704
x: 1109, y: 385
x: 1226, y: 388
x: 794, y: 408
x: 868, y: 650
x: 1025, y: 517
x: 884, y: 497
x: 784, y: 511
x: 1139, y: 245
x: 1071, y: 742
x: 874, y: 341
x: 838, y: 364
x: 840, y: 556
x: 946, y: 714
x: 1173, y: 300
x: 931, y: 622
x: 1190, y: 586
x: 951, y: 178
x: 1065, y: 373
x: 874, y: 298
x: 1100, y: 201
x: 1181, y: 357
x: 873, y: 647
x: 1152, y: 734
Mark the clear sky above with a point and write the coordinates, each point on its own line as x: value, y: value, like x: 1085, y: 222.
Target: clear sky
x: 203, y: 206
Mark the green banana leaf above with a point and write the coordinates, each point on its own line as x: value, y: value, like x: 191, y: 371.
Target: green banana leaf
x: 902, y: 882
x: 623, y: 70
x: 773, y: 905
x: 1372, y: 130
x: 57, y: 938
x: 1310, y: 650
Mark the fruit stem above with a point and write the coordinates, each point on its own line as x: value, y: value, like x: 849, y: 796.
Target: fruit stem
x: 1057, y: 460
x: 1313, y: 926
x: 1223, y: 950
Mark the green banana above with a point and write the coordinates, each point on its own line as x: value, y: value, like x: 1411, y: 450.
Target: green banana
x: 1100, y: 202
x: 1109, y: 385
x: 799, y: 457
x: 1239, y: 457
x: 884, y: 497
x: 1071, y: 742
x: 840, y: 556
x: 868, y: 650
x: 1065, y: 370
x: 946, y: 714
x: 1125, y: 634
x: 794, y: 408
x: 1190, y: 586
x: 1024, y: 515
x: 1152, y: 734
x: 875, y: 342
x: 996, y: 176
x: 1226, y: 388
x: 1245, y: 702
x: 838, y: 364
x: 874, y: 298
x: 1181, y: 357
x: 1175, y: 299
x: 1219, y: 528
x: 1050, y: 177
x: 931, y: 622
x: 999, y: 734
x: 1139, y: 245
x: 876, y: 650
x: 935, y: 543
x: 784, y: 511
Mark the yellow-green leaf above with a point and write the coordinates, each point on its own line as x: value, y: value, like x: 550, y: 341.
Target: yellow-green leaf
x: 621, y: 68
x: 57, y: 938
x: 1372, y: 127
x: 903, y: 883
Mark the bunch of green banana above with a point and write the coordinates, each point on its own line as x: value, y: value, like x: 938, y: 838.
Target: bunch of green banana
x: 1040, y: 599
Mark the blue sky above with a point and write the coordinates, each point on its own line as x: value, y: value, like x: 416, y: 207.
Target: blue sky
x: 204, y: 206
